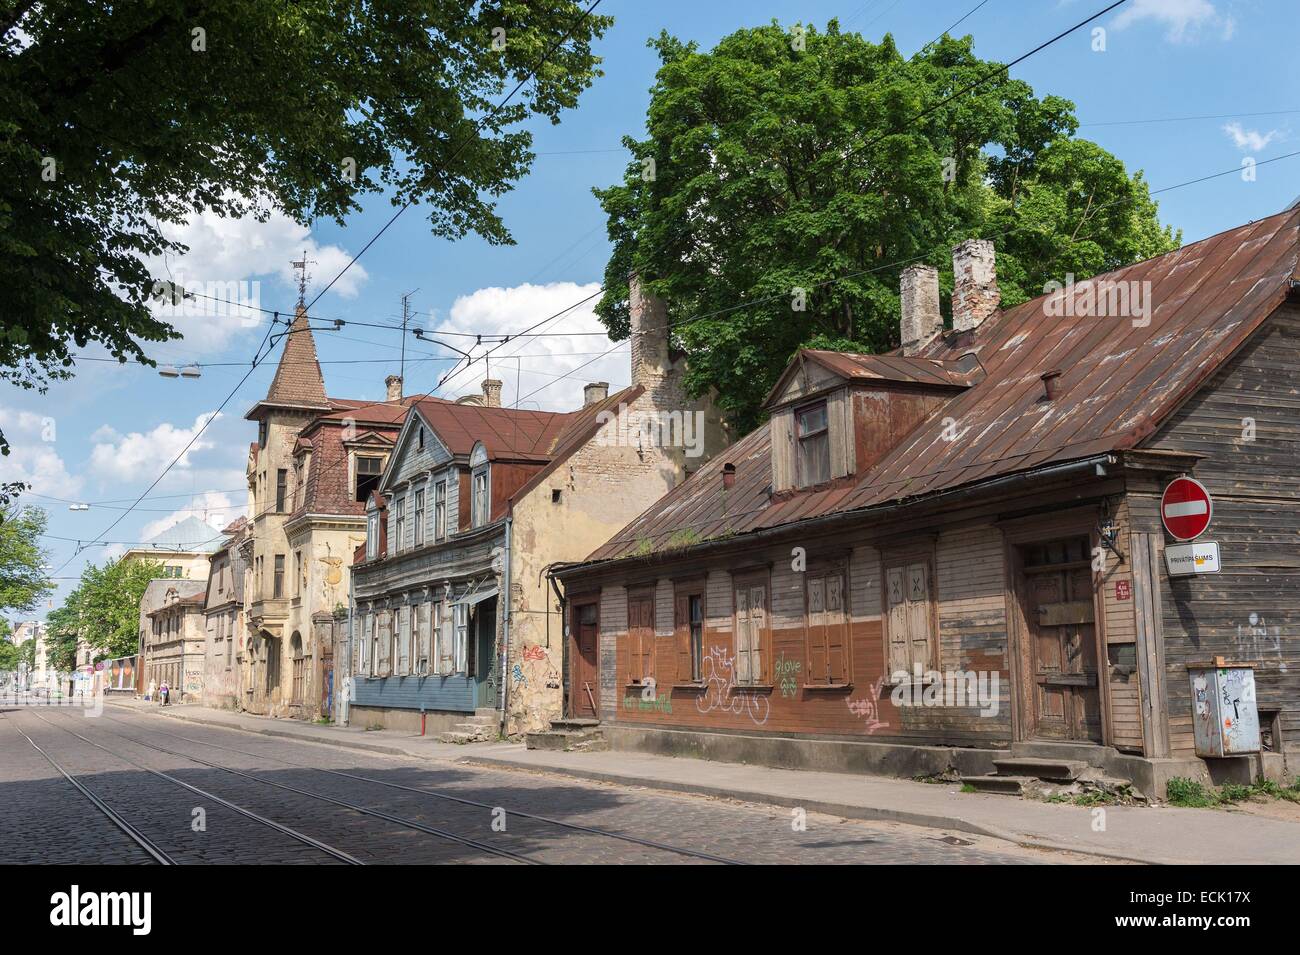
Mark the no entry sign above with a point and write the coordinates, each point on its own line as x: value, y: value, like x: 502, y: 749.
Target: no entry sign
x: 1186, y: 508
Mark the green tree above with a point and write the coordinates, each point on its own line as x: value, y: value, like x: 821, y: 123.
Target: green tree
x: 9, y: 653
x: 23, y: 580
x: 770, y: 168
x: 121, y: 118
x: 104, y: 609
x: 27, y: 653
x: 63, y: 625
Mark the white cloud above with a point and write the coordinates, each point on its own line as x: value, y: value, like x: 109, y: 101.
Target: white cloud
x: 1183, y: 20
x: 212, y: 507
x: 1249, y: 140
x: 231, y: 258
x: 537, y: 375
x: 32, y: 456
x: 129, y: 457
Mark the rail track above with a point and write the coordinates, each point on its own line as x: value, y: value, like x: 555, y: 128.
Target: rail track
x: 436, y: 794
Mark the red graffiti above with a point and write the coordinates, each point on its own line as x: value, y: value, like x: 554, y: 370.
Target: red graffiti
x: 534, y: 653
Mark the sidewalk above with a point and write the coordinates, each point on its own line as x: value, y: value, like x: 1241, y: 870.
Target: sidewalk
x: 1138, y: 834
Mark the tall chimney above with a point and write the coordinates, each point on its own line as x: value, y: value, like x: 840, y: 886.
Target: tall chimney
x: 649, y: 325
x: 394, y: 383
x: 491, y: 393
x: 975, y: 295
x: 594, y: 392
x: 921, y: 321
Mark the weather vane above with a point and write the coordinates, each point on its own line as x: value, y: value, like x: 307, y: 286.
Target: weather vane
x: 301, y: 266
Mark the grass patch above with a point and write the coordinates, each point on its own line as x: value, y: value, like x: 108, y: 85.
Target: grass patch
x: 1193, y: 795
x: 968, y: 788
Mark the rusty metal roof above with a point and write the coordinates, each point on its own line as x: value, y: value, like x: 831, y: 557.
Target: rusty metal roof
x: 1120, y: 378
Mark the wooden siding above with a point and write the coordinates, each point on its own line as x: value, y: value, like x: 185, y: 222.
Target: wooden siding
x: 1247, y: 613
x: 972, y: 635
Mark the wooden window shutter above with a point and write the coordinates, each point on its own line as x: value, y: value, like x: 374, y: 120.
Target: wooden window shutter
x: 682, y: 636
x: 817, y: 655
x: 743, y: 638
x: 918, y: 613
x: 899, y: 644
x: 758, y: 632
x: 836, y: 624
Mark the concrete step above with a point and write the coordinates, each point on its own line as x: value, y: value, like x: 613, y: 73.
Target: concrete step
x: 576, y: 723
x: 1090, y: 753
x: 1002, y: 785
x: 567, y: 740
x: 1056, y: 770
x: 461, y: 738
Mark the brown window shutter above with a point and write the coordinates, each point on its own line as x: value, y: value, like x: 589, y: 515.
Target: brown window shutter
x: 682, y: 636
x: 817, y: 650
x: 837, y: 649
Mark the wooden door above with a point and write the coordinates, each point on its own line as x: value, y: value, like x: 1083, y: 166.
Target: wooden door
x: 586, y: 685
x: 1060, y: 619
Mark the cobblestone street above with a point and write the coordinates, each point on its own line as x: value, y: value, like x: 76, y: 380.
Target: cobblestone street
x: 260, y: 800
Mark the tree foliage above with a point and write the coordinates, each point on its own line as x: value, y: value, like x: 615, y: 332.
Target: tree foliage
x: 769, y: 169
x: 23, y: 579
x: 104, y: 609
x: 119, y: 119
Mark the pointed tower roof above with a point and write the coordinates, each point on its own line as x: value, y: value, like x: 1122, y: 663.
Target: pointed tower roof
x: 298, y: 382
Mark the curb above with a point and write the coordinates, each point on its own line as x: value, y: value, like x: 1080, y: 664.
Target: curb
x: 287, y: 734
x: 848, y: 811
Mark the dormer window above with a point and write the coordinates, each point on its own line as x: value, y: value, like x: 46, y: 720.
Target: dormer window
x: 368, y: 473
x: 479, y: 517
x: 813, y: 438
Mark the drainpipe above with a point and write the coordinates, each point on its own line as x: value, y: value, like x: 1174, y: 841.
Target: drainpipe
x: 505, y: 619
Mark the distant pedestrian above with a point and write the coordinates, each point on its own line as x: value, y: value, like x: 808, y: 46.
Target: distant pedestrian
x: 164, y: 693
x: 152, y: 691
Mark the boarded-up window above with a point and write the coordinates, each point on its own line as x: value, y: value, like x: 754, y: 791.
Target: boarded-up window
x: 688, y: 631
x: 641, y: 637
x: 385, y: 643
x: 752, y: 633
x: 827, y: 627
x: 422, y: 638
x: 909, y: 592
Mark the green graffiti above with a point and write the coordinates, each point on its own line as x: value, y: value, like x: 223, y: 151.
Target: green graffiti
x: 661, y: 704
x: 787, y: 673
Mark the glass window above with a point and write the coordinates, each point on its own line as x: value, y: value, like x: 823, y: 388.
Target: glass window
x: 814, y: 446
x: 368, y: 472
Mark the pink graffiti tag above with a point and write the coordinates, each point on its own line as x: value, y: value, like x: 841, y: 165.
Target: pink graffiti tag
x: 868, y: 708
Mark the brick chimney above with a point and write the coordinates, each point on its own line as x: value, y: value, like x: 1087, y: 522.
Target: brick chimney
x: 921, y: 321
x: 491, y: 393
x: 975, y: 295
x: 649, y: 325
x: 394, y: 383
x: 594, y: 392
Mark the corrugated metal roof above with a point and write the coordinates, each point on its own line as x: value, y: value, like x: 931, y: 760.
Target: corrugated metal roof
x: 1120, y: 377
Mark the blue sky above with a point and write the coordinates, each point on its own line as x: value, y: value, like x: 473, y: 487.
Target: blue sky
x: 104, y: 436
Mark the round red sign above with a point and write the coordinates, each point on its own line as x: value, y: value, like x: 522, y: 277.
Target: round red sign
x: 1186, y: 508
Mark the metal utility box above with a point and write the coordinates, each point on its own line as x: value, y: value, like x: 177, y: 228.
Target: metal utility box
x: 1224, y: 719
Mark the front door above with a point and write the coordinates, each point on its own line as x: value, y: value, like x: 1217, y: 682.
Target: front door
x: 1059, y: 618
x: 586, y: 689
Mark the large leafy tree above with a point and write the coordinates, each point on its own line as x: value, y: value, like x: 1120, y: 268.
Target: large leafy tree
x: 822, y: 161
x: 104, y: 608
x: 23, y: 578
x: 117, y: 119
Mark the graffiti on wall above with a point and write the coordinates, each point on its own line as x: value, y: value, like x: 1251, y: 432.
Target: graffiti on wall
x: 867, y: 709
x: 787, y: 675
x: 720, y: 690
x: 1258, y: 639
